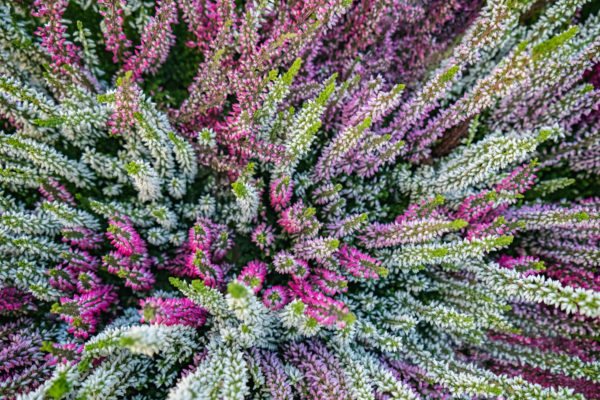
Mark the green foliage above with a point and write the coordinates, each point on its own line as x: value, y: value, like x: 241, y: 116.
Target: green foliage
x: 547, y: 47
x: 449, y: 74
x: 59, y: 387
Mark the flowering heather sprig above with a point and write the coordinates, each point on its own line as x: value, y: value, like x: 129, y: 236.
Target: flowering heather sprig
x: 496, y: 227
x: 126, y: 98
x: 423, y: 209
x: 326, y: 379
x: 64, y: 54
x: 201, y: 250
x: 360, y: 264
x: 62, y: 353
x: 281, y: 193
x: 520, y: 180
x: 490, y: 202
x: 54, y: 191
x: 80, y: 260
x: 323, y: 309
x: 23, y: 363
x: 203, y: 21
x: 200, y: 236
x: 346, y: 226
x: 222, y: 243
x: 285, y: 263
x: 328, y: 282
x: 318, y: 249
x: 525, y: 264
x: 14, y: 302
x: 155, y: 42
x: 199, y: 264
x: 62, y: 278
x: 114, y: 36
x: 82, y: 312
x: 275, y: 374
x: 52, y: 34
x: 157, y: 310
x: 254, y: 275
x: 415, y: 231
x: 88, y: 281
x: 246, y: 195
x: 555, y: 217
x: 299, y: 220
x: 263, y: 237
x: 275, y: 297
x: 351, y: 135
x: 124, y: 237
x: 573, y: 275
x: 135, y: 270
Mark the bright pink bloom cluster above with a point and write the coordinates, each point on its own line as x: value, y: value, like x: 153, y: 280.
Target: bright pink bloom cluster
x: 83, y: 312
x: 13, y: 302
x: 263, y: 237
x: 275, y: 297
x: 158, y: 310
x: 124, y: 237
x: 207, y: 245
x: 360, y: 264
x: 254, y: 275
x: 127, y: 98
x: 323, y: 309
x: 115, y: 39
x: 299, y: 220
x: 131, y: 260
x: 281, y: 193
x: 82, y: 238
x: 54, y: 191
x: 156, y: 41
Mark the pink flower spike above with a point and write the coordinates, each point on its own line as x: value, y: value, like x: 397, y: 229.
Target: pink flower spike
x: 15, y: 302
x: 114, y: 37
x: 83, y: 311
x: 299, y: 220
x: 156, y: 310
x: 82, y: 237
x: 325, y: 310
x: 124, y: 237
x: 200, y: 265
x: 200, y: 236
x: 281, y: 193
x: 52, y: 190
x: 360, y: 264
x: 329, y: 282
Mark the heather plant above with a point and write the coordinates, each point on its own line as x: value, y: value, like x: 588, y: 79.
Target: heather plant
x: 327, y: 199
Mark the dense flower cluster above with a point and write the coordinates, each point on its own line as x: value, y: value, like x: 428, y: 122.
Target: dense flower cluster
x: 320, y: 199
